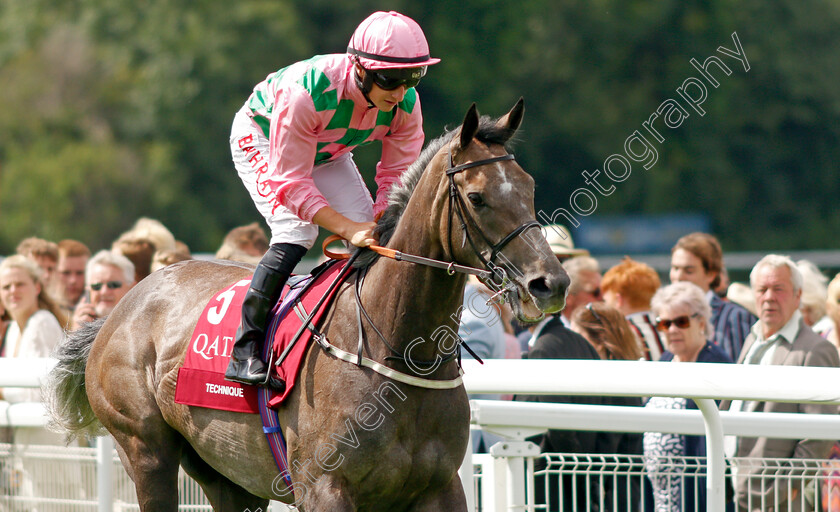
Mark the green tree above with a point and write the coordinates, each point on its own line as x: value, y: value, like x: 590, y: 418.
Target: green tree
x: 111, y: 110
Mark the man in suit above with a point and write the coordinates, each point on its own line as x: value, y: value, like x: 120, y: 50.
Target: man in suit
x: 698, y: 258
x: 780, y: 337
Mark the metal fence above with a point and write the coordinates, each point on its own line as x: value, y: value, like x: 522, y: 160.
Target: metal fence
x: 622, y: 483
x: 702, y: 382
x: 512, y: 472
x: 38, y: 478
x: 64, y: 479
x: 505, y: 480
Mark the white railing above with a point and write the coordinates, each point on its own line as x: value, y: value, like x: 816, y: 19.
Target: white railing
x: 24, y: 372
x: 518, y: 420
x: 644, y: 378
x: 698, y: 381
x: 702, y: 382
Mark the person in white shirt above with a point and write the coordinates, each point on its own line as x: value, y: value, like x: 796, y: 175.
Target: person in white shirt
x: 36, y: 319
x: 35, y: 329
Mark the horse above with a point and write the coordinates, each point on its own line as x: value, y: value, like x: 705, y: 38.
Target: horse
x: 356, y: 438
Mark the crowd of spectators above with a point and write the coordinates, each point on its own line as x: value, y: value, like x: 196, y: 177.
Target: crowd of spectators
x: 84, y: 287
x: 787, y: 314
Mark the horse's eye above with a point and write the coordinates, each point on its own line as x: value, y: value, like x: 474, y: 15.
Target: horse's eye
x: 475, y: 199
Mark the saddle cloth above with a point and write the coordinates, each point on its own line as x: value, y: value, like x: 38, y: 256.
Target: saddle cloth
x: 201, y: 380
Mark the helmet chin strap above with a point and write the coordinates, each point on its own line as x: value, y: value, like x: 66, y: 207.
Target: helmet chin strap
x: 364, y: 84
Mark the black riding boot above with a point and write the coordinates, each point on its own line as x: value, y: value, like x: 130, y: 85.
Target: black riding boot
x: 246, y: 363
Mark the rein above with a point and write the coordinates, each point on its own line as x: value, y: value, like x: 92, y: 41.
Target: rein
x: 493, y: 274
x: 450, y: 267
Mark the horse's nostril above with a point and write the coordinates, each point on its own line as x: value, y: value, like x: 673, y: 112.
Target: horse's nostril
x: 547, y: 287
x: 539, y: 288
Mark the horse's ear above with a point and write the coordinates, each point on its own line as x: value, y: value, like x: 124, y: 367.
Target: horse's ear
x: 469, y: 127
x: 510, y: 122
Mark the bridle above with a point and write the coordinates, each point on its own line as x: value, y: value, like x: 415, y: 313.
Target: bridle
x: 458, y: 206
x: 493, y: 275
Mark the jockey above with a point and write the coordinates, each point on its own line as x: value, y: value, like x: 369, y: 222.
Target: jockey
x: 292, y: 143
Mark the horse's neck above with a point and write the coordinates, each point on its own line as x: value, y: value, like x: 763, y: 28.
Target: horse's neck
x: 410, y: 301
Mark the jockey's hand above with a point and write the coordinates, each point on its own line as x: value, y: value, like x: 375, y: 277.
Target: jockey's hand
x: 361, y: 234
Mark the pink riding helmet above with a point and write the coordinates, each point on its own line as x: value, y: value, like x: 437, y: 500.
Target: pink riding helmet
x: 390, y: 40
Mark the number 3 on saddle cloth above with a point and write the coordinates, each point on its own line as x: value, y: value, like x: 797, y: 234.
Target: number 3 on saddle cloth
x: 201, y: 380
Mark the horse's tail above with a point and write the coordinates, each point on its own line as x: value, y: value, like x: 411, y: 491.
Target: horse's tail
x: 66, y: 401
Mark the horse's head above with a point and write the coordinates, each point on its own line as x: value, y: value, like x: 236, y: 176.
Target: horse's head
x: 489, y: 218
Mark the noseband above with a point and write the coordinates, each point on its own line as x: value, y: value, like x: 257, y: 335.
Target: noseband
x: 459, y: 207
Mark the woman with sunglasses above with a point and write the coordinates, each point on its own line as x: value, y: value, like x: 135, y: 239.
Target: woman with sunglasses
x: 683, y: 316
x: 291, y: 145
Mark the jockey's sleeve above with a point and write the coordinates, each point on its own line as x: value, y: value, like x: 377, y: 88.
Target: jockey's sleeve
x: 400, y: 148
x: 292, y: 147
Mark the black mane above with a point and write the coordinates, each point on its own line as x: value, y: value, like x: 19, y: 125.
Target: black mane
x: 487, y: 133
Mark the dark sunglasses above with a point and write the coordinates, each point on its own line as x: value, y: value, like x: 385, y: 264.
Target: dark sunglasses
x: 112, y: 285
x: 409, y: 78
x: 681, y: 321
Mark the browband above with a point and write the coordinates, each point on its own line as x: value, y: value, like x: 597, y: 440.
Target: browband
x: 459, y: 168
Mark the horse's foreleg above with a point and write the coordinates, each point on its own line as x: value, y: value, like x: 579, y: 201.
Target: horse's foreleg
x: 451, y: 499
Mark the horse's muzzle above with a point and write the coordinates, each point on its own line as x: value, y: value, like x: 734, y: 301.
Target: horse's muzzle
x: 549, y: 292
